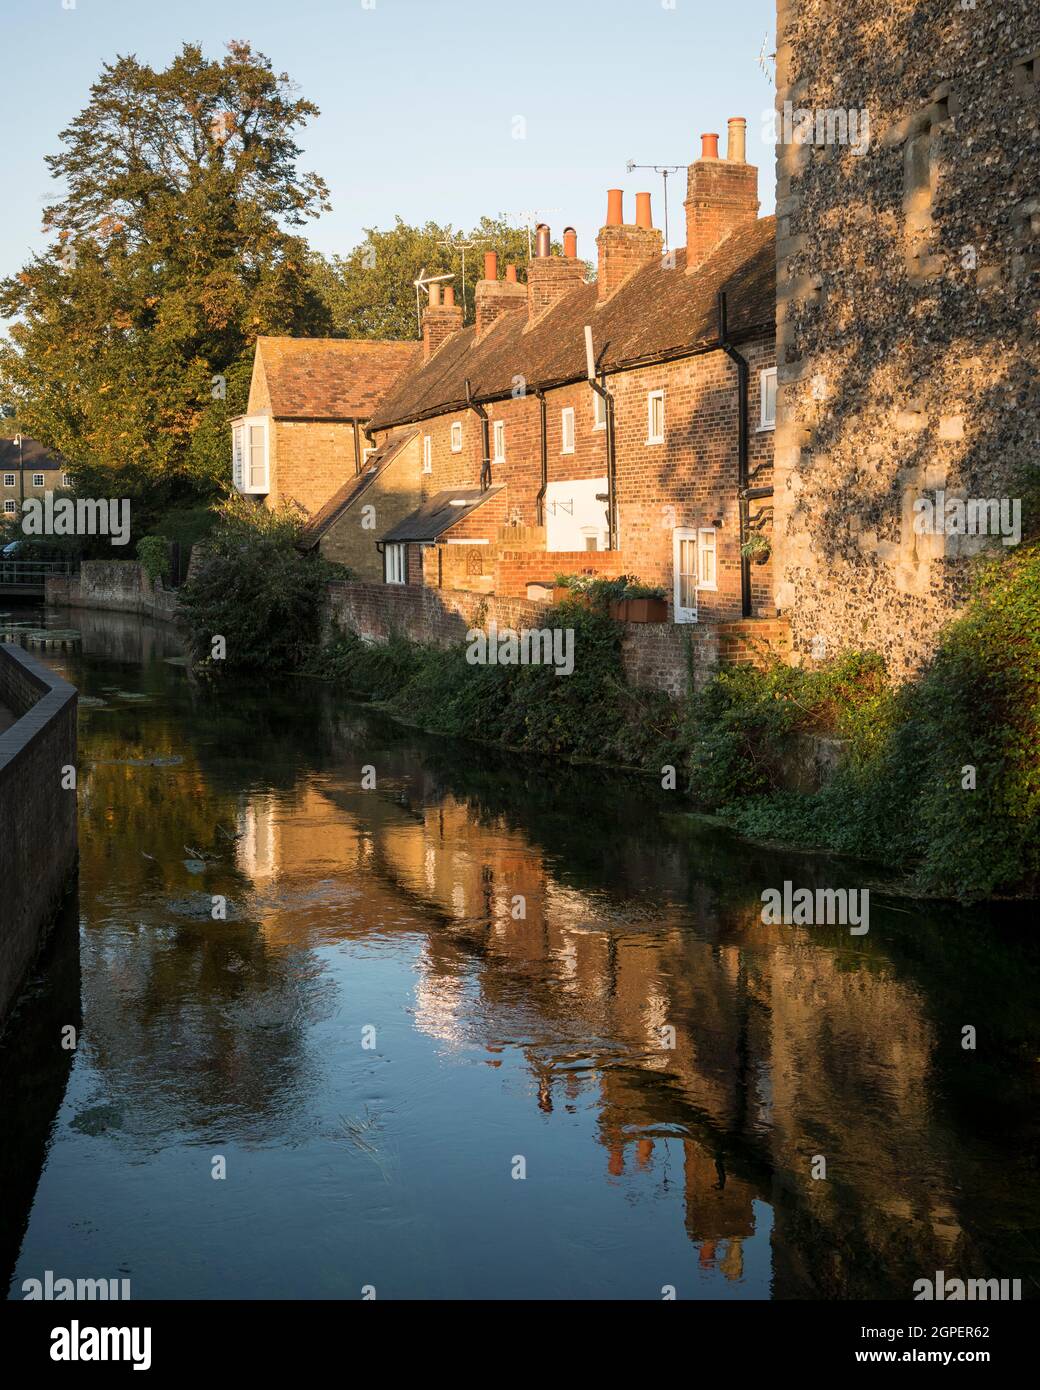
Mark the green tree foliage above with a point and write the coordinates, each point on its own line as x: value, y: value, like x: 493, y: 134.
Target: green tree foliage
x: 259, y: 593
x: 370, y: 292
x: 134, y: 333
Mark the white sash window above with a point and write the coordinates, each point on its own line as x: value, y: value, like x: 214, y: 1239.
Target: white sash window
x: 250, y: 460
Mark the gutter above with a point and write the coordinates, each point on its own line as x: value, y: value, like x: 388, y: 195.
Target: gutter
x: 482, y: 415
x: 742, y: 451
x: 539, y: 501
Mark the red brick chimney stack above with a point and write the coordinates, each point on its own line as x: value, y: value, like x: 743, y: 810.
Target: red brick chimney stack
x: 551, y: 278
x: 624, y: 249
x: 720, y: 194
x: 441, y: 319
x: 496, y: 297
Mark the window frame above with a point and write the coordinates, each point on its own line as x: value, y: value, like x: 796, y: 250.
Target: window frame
x: 713, y: 550
x: 9, y: 480
x: 456, y: 425
x: 241, y: 455
x: 10, y: 507
x: 567, y: 414
x: 651, y: 397
x: 599, y: 412
x: 765, y: 425
x: 38, y: 480
x: 683, y: 613
x: 399, y: 551
x: 427, y: 453
x: 498, y: 433
x: 66, y: 480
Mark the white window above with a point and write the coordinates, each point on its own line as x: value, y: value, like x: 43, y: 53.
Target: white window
x: 599, y: 412
x: 37, y: 480
x: 684, y: 569
x: 567, y: 430
x: 707, y: 564
x: 8, y: 480
x: 66, y: 480
x: 9, y: 506
x: 427, y: 454
x: 655, y: 417
x: 500, y: 441
x: 456, y: 437
x: 366, y: 454
x: 249, y: 454
x: 395, y: 562
x: 767, y: 390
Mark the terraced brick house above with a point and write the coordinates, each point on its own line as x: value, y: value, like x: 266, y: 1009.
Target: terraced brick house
x: 28, y: 469
x: 660, y: 466
x: 310, y: 401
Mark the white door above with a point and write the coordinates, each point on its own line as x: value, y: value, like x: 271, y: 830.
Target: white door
x: 684, y: 570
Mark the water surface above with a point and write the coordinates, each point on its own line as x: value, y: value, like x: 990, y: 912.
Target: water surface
x: 477, y: 967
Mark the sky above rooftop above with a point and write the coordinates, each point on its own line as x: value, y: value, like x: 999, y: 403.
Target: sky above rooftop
x: 420, y: 99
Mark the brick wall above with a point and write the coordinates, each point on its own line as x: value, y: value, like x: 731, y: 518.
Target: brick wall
x: 656, y: 656
x: 688, y: 481
x: 351, y: 539
x: 909, y: 308
x: 117, y: 585
x: 38, y: 844
x: 311, y: 460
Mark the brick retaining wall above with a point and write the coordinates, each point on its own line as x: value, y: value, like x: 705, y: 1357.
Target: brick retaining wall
x: 656, y: 656
x: 37, y: 815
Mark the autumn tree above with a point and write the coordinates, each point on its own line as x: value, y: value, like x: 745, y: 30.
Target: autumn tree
x: 174, y: 247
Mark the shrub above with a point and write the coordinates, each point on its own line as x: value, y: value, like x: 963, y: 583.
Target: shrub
x: 154, y: 555
x: 257, y: 591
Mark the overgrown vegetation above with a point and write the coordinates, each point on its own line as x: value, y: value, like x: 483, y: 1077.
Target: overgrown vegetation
x: 592, y: 714
x: 943, y: 774
x: 153, y: 552
x: 257, y: 592
x: 601, y: 593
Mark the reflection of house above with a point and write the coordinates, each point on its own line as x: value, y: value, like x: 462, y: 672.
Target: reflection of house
x: 304, y: 433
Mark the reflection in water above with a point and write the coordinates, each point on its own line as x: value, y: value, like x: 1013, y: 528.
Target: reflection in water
x: 371, y: 1003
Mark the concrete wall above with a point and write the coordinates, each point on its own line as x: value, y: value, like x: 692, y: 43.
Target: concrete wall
x: 37, y: 815
x: 656, y: 656
x: 118, y: 585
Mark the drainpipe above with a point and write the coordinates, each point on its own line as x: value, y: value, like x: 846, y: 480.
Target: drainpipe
x: 539, y: 501
x: 482, y: 415
x: 742, y: 450
x: 357, y: 445
x: 608, y: 401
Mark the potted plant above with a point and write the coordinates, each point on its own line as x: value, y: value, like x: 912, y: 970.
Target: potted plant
x: 571, y: 588
x: 640, y: 603
x: 757, y: 548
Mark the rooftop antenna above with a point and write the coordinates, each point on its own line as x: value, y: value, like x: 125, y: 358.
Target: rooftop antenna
x: 664, y: 170
x: 531, y: 217
x: 421, y: 284
x: 766, y: 60
x: 463, y: 245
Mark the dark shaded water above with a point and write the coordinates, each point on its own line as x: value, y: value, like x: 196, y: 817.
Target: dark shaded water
x: 375, y: 1037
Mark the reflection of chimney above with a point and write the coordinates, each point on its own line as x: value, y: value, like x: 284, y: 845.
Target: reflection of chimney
x: 496, y: 297
x: 625, y: 249
x: 551, y: 278
x: 720, y: 194
x: 440, y: 320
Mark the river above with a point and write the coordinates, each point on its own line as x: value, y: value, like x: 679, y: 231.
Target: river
x: 488, y: 1028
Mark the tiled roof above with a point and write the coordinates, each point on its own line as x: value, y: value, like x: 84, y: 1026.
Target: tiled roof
x: 440, y: 512
x: 656, y: 314
x: 33, y: 455
x: 331, y: 378
x: 352, y: 490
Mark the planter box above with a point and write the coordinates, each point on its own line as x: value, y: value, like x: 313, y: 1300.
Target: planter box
x: 541, y: 592
x: 561, y: 594
x: 640, y: 610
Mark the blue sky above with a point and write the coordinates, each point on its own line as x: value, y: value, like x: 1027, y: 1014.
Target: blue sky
x: 418, y: 98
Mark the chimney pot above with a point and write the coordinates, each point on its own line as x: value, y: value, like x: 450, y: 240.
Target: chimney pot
x: 542, y: 240
x: 490, y: 265
x: 710, y: 146
x: 643, y: 217
x: 435, y: 296
x: 511, y: 274
x: 615, y: 211
x: 736, y: 142
x: 570, y: 243
x: 449, y: 296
